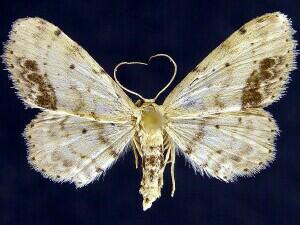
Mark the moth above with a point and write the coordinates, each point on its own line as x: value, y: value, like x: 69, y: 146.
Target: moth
x: 214, y: 117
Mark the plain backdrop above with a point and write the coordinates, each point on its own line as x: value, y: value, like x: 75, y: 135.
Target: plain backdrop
x: 115, y: 31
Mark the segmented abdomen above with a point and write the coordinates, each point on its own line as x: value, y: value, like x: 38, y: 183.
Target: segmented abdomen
x: 152, y: 181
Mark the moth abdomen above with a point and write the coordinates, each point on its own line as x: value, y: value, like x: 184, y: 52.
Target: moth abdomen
x: 153, y: 167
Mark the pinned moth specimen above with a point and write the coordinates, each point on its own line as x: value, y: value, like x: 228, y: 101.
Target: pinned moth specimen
x: 214, y: 117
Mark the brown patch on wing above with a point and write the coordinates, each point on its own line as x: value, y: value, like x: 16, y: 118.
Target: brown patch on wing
x: 98, y: 169
x: 251, y: 95
x: 101, y: 135
x: 113, y: 153
x: 226, y: 45
x: 67, y: 163
x: 242, y: 30
x: 198, y: 137
x: 217, y: 102
x: 235, y: 158
x: 57, y: 32
x: 31, y: 77
x: 267, y: 63
x: 261, y: 19
x: 75, y: 49
x: 46, y: 97
x: 269, y: 69
x: 31, y: 65
x: 83, y: 131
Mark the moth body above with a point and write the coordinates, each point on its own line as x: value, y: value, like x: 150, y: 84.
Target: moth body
x: 149, y: 142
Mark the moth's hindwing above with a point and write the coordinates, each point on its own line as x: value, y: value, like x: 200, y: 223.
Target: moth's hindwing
x: 227, y: 145
x: 67, y: 148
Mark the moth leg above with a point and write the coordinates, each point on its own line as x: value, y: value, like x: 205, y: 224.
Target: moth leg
x: 167, y: 157
x: 137, y: 145
x: 170, y: 159
x: 134, y: 148
x: 166, y: 145
x: 173, y: 156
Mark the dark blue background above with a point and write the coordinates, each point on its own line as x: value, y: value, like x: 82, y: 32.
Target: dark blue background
x: 114, y: 31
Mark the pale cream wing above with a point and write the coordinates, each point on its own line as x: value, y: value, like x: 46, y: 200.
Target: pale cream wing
x: 68, y: 148
x: 51, y: 71
x: 215, y: 114
x: 226, y: 145
x: 248, y: 70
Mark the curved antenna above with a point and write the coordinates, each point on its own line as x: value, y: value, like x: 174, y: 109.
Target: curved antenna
x: 141, y: 63
x: 173, y: 76
x: 116, y: 79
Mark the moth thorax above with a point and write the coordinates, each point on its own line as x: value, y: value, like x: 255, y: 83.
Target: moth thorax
x: 151, y: 118
x: 151, y: 132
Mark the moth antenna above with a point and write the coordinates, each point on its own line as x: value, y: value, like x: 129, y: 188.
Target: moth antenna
x: 141, y: 63
x: 174, y: 73
x: 124, y: 88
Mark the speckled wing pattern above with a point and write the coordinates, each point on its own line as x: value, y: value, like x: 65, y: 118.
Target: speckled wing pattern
x: 215, y: 115
x: 86, y: 124
x: 68, y: 148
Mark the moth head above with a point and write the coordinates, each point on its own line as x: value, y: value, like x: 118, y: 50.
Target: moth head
x: 142, y: 63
